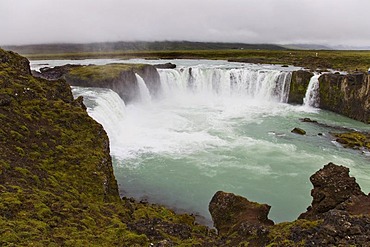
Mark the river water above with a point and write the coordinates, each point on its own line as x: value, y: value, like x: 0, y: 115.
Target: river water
x: 218, y: 126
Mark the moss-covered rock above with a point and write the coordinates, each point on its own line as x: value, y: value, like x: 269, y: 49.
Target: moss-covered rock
x: 354, y: 139
x: 298, y: 86
x: 298, y: 131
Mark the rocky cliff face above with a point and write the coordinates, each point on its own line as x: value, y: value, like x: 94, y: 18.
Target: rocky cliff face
x: 348, y: 95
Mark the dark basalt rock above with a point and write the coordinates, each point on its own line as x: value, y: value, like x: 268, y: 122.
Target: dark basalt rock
x: 335, y: 189
x: 232, y: 213
x: 336, y: 228
x: 298, y: 131
x: 307, y: 120
x: 165, y: 66
x: 54, y: 73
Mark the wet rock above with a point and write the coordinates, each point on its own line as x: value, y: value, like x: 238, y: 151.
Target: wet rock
x: 232, y: 213
x: 298, y: 131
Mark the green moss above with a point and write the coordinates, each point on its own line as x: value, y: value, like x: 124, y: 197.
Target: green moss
x: 17, y: 136
x: 280, y: 234
x: 101, y: 73
x: 354, y: 139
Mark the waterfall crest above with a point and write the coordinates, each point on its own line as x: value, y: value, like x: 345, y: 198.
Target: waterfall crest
x: 263, y: 84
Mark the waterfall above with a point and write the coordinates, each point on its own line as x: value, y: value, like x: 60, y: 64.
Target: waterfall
x: 144, y: 91
x: 105, y: 106
x: 312, y: 94
x: 262, y: 84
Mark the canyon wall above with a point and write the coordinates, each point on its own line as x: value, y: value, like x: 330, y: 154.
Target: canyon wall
x: 348, y: 95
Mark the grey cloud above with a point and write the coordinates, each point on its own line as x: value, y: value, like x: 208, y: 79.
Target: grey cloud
x: 251, y: 21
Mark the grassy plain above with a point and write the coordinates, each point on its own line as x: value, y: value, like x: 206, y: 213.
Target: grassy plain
x: 313, y: 59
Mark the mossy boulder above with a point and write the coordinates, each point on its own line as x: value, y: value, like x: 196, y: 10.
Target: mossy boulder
x: 354, y: 139
x: 298, y: 131
x: 298, y: 86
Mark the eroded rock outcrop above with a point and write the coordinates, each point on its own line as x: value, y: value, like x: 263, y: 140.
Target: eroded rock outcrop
x: 335, y: 189
x: 348, y: 95
x: 298, y: 86
x: 120, y: 78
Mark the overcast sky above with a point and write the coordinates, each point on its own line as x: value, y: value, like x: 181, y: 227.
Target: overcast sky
x: 332, y: 22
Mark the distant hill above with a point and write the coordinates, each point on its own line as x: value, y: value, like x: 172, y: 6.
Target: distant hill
x: 307, y: 47
x: 136, y: 46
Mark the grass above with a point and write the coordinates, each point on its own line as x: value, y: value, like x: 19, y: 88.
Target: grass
x: 107, y: 72
x: 313, y: 59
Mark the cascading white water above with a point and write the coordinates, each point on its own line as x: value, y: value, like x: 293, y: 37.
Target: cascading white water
x: 219, y: 129
x: 254, y: 84
x: 144, y: 91
x: 311, y: 98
